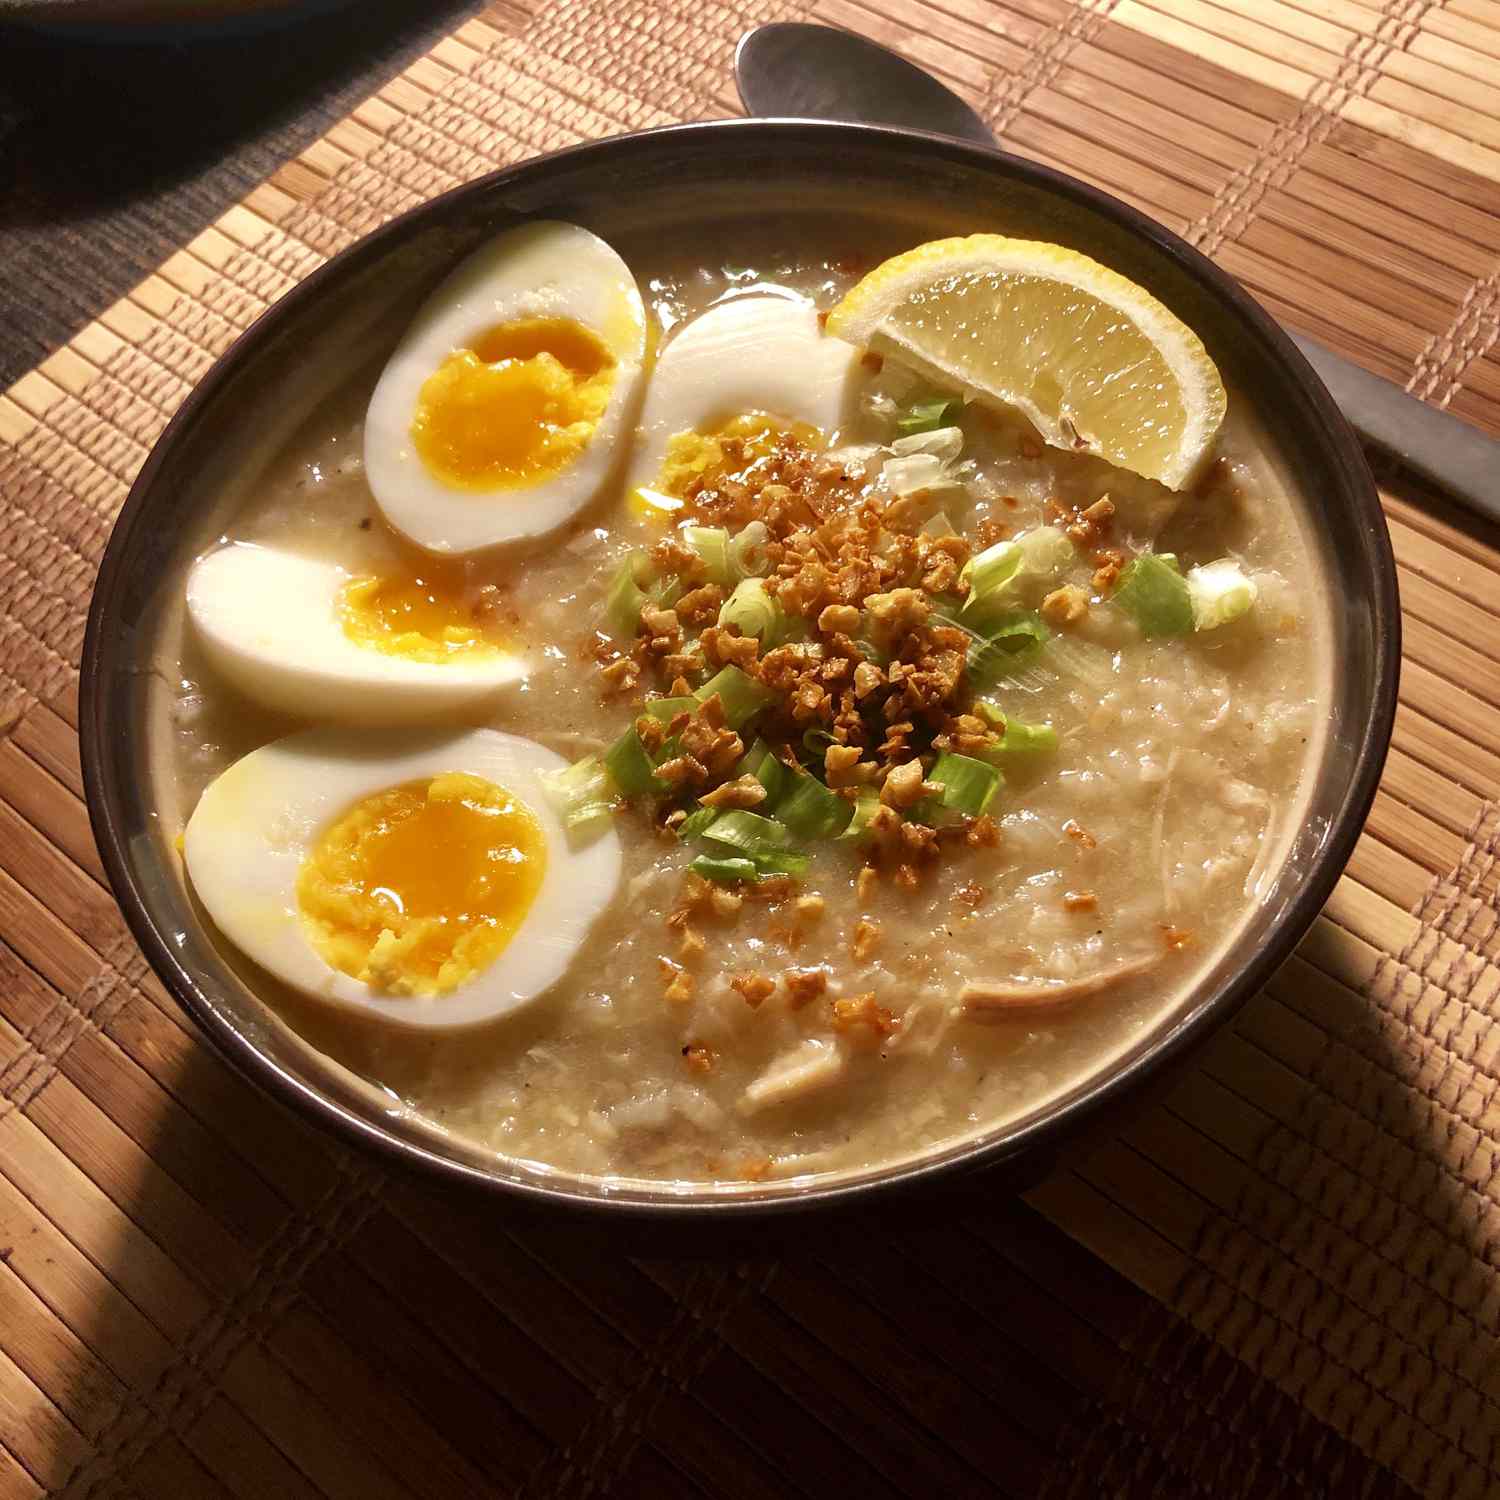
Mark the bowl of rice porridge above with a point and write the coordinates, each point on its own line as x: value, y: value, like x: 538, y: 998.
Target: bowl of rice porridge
x: 736, y: 668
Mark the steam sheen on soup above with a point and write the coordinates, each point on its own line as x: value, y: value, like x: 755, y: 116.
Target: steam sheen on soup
x: 864, y: 770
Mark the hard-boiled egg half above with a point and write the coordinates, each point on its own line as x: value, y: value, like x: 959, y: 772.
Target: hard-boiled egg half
x: 761, y: 356
x: 421, y: 879
x: 309, y: 638
x: 499, y: 415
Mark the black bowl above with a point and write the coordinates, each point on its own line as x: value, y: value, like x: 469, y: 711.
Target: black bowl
x: 350, y: 311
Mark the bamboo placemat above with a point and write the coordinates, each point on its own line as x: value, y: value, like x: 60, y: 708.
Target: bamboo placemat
x: 1285, y: 1280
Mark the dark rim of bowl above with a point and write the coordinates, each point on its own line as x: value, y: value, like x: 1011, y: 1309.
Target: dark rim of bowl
x: 1048, y: 1130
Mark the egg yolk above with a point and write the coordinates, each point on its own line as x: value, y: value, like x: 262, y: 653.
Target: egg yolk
x: 415, y: 889
x: 429, y: 611
x: 516, y: 406
x: 734, y: 450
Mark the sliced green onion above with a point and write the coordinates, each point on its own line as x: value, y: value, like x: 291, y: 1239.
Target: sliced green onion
x: 667, y: 709
x: 696, y: 821
x: 1027, y: 739
x: 761, y: 762
x: 1015, y: 735
x: 748, y: 831
x: 725, y: 871
x: 1032, y: 679
x: 1154, y: 592
x: 782, y: 862
x: 811, y: 811
x: 742, y: 696
x: 1092, y: 665
x: 969, y: 785
x: 752, y: 611
x: 1045, y: 550
x: 747, y: 551
x: 582, y: 796
x: 1011, y: 643
x: 928, y: 415
x: 992, y: 570
x: 711, y: 543
x: 622, y: 610
x: 1041, y: 552
x: 758, y: 840
x: 1219, y: 592
x: 939, y: 524
x: 909, y: 472
x: 864, y: 810
x: 665, y: 592
x: 630, y: 766
x: 816, y: 741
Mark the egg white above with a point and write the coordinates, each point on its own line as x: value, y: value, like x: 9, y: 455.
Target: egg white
x: 543, y: 269
x: 253, y: 827
x: 269, y: 623
x: 763, y: 352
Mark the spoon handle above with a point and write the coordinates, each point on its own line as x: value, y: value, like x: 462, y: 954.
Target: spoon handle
x: 1441, y: 450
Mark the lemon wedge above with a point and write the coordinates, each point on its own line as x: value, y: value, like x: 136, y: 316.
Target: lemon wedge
x: 1095, y: 361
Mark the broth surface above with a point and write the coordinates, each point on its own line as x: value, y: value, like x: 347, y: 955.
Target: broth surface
x: 1168, y: 805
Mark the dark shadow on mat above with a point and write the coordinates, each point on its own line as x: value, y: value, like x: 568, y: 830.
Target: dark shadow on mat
x: 115, y: 153
x: 320, y: 1325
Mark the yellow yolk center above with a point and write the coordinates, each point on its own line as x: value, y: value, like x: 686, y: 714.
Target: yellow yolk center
x: 428, y: 611
x: 517, y: 405
x: 417, y: 888
x: 736, y: 449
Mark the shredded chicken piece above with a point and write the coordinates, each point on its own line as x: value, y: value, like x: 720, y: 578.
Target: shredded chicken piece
x: 866, y: 882
x: 1000, y: 1001
x: 1080, y: 901
x: 810, y: 908
x: 805, y: 1068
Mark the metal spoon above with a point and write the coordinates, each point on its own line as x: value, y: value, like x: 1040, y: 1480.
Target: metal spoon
x: 792, y: 68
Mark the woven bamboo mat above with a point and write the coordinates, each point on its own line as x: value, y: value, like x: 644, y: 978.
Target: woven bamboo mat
x: 1285, y: 1280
